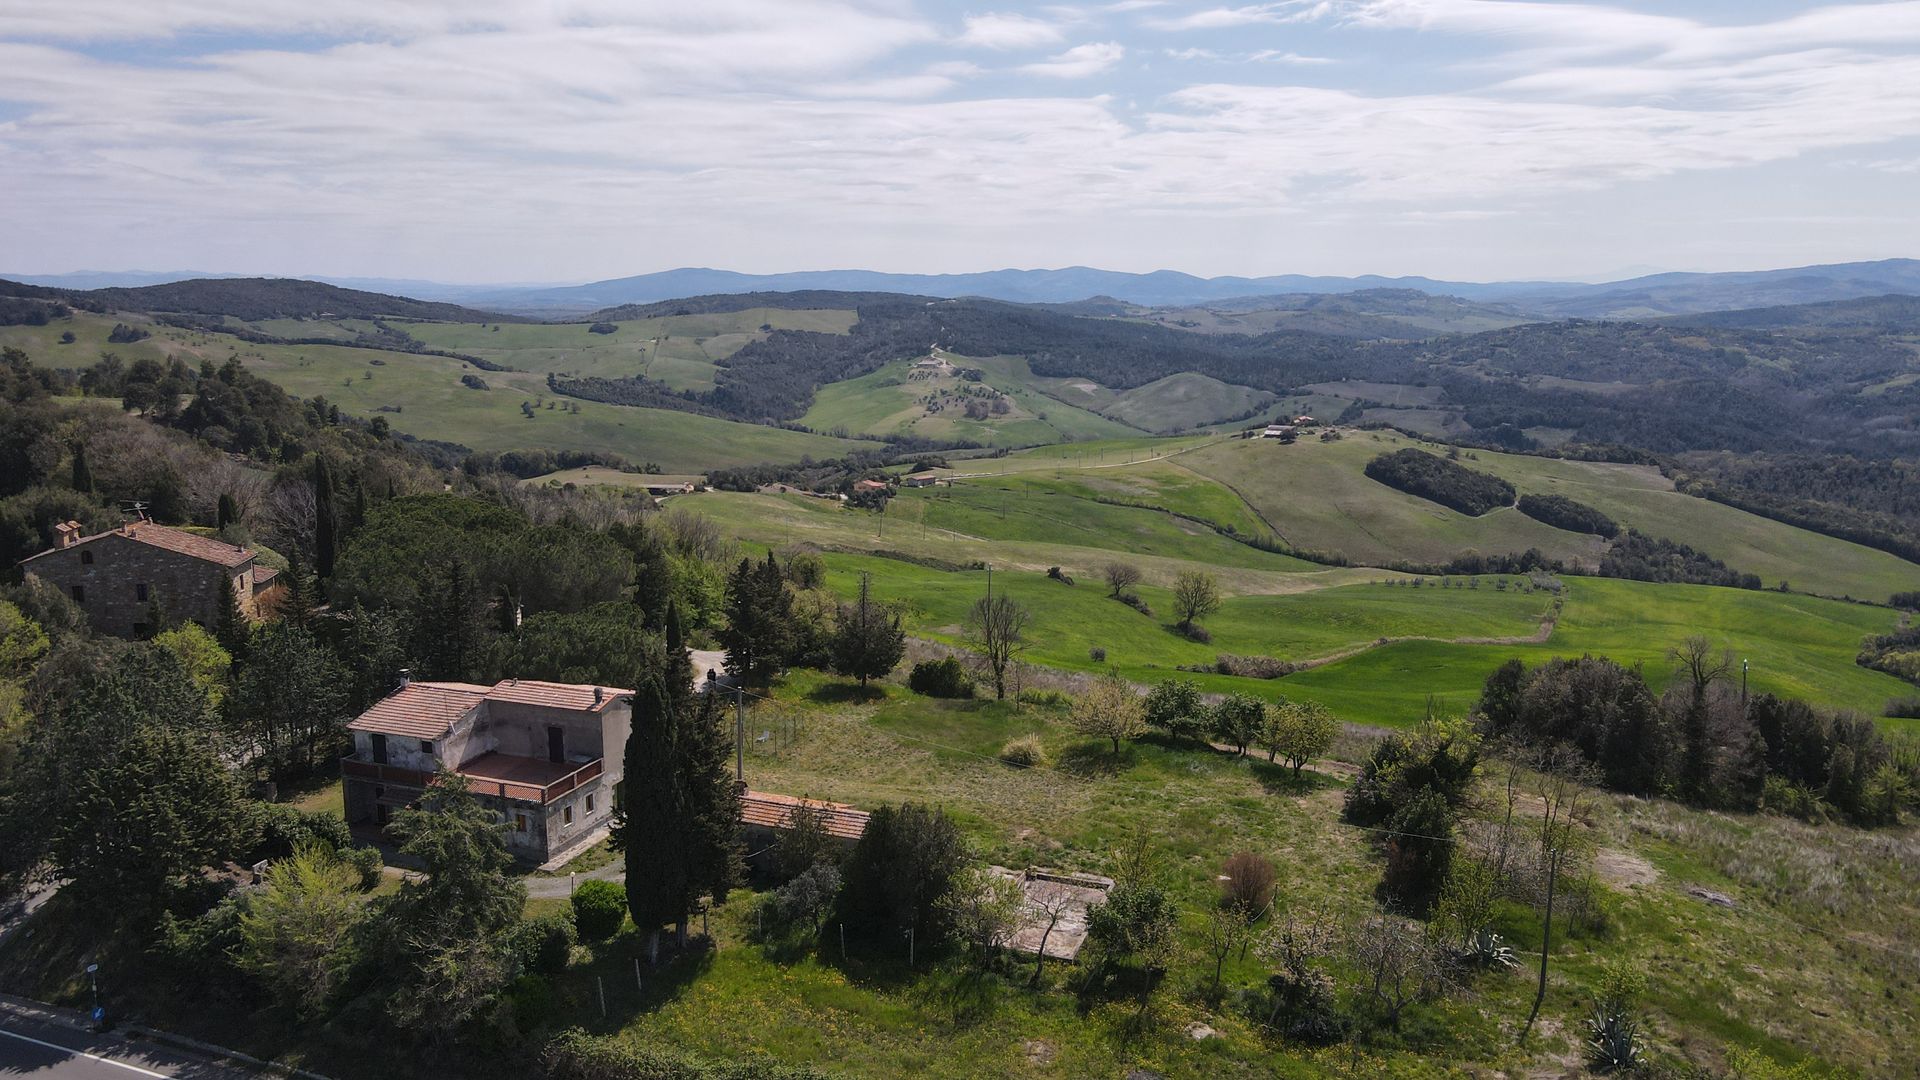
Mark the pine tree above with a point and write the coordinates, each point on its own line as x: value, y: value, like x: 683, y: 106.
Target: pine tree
x: 742, y: 635
x: 867, y: 644
x: 82, y: 472
x: 450, y: 624
x: 324, y: 517
x: 300, y: 597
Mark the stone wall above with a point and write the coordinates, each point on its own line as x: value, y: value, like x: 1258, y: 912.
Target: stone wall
x: 185, y: 587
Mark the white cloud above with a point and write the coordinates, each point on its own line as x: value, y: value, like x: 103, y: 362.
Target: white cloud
x: 1276, y: 56
x: 1220, y: 18
x: 1080, y: 61
x: 1006, y: 31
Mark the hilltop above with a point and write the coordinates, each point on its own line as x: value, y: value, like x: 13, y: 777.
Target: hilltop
x: 257, y: 298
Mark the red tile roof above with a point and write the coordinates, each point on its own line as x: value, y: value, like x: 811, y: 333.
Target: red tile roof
x: 421, y: 710
x: 772, y: 811
x: 554, y: 695
x: 180, y: 541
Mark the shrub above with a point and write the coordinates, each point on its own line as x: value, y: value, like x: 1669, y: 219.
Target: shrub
x: 603, y: 328
x: 1109, y: 709
x: 1098, y: 654
x: 283, y: 828
x: 806, y: 899
x: 473, y: 382
x: 1248, y: 887
x: 1779, y: 795
x: 367, y: 862
x: 1026, y: 751
x: 1907, y: 708
x: 1133, y: 601
x: 1254, y: 667
x: 944, y: 678
x: 543, y: 945
x: 1196, y: 632
x: 1174, y: 707
x: 598, y: 909
x: 1045, y: 697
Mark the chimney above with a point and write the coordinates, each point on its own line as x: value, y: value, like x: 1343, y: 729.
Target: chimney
x: 599, y: 692
x: 406, y: 678
x: 66, y: 534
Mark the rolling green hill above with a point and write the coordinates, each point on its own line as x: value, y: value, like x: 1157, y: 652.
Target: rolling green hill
x: 1316, y: 497
x: 929, y: 396
x: 422, y: 395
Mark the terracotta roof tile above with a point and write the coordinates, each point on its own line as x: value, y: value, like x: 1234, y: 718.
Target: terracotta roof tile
x: 420, y: 710
x: 186, y: 543
x: 553, y: 695
x: 771, y: 811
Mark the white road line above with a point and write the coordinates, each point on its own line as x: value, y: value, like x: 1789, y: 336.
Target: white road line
x: 70, y: 1051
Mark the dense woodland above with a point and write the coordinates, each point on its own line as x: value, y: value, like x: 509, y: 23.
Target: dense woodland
x: 1448, y: 483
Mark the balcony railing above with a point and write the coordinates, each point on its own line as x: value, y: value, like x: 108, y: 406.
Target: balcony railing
x: 516, y: 790
x: 543, y: 794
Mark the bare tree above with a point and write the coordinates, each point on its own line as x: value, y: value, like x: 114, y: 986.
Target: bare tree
x: 1052, y: 901
x: 1226, y: 930
x: 1695, y: 659
x: 1120, y: 578
x: 1564, y: 779
x: 995, y: 631
x: 1399, y: 963
x: 1196, y: 595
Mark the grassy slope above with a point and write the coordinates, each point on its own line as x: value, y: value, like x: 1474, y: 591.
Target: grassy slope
x: 1182, y: 401
x: 1316, y: 495
x: 434, y: 405
x: 888, y: 401
x: 679, y: 350
x: 1713, y: 975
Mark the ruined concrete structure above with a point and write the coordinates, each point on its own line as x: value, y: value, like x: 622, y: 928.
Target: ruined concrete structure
x: 123, y: 576
x: 546, y: 756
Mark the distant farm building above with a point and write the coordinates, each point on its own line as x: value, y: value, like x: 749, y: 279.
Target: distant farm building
x: 764, y: 816
x: 869, y: 485
x: 922, y: 479
x: 1278, y: 431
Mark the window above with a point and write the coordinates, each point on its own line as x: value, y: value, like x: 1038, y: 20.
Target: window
x: 140, y: 630
x: 86, y: 558
x: 520, y: 823
x: 589, y: 804
x: 566, y: 815
x: 426, y: 746
x: 379, y: 749
x: 140, y: 592
x: 79, y: 594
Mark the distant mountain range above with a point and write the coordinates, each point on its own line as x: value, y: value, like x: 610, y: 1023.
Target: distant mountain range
x: 1642, y: 297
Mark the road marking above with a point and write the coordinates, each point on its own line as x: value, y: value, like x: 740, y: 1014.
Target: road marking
x: 71, y: 1052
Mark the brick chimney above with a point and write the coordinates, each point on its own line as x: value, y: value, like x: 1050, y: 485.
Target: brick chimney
x: 66, y: 534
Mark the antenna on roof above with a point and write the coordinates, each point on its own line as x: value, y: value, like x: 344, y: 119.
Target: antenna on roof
x: 135, y: 509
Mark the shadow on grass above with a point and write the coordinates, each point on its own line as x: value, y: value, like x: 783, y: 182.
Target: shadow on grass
x: 839, y: 693
x: 1095, y: 759
x: 1278, y: 778
x: 613, y: 971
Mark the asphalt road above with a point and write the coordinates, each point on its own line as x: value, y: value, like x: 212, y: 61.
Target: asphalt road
x: 31, y: 1046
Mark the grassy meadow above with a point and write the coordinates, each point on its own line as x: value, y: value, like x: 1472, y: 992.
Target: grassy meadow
x: 891, y: 401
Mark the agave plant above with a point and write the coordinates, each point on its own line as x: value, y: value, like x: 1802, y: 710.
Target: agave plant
x: 1613, y: 1040
x: 1487, y: 950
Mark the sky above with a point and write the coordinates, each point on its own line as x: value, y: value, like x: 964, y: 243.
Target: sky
x: 573, y: 140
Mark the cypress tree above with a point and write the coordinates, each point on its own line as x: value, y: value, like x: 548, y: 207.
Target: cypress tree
x: 226, y: 512
x: 302, y: 595
x: 742, y: 635
x: 230, y: 625
x: 652, y: 581
x: 82, y: 472
x: 716, y: 857
x: 324, y: 517
x: 649, y: 829
x: 776, y: 640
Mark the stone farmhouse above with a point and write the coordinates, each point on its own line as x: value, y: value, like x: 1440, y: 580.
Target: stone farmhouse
x: 546, y: 756
x: 122, y: 576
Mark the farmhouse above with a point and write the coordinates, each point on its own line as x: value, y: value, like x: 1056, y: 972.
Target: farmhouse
x: 869, y: 485
x: 546, y: 756
x: 1278, y: 431
x: 123, y: 577
x: 922, y: 479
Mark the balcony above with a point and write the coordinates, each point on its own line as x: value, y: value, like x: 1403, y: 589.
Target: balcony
x: 529, y: 780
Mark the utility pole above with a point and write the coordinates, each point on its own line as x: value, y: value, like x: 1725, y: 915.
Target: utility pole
x: 1744, y: 664
x: 739, y: 735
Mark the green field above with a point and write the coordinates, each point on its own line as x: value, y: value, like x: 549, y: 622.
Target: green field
x: 895, y: 400
x: 1316, y: 496
x: 423, y: 396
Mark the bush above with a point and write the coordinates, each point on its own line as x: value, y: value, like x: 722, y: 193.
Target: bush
x: 603, y: 328
x: 1098, y: 654
x: 1026, y: 751
x: 367, y: 861
x: 1238, y: 720
x: 1045, y: 697
x: 1174, y: 707
x: 1248, y: 887
x: 543, y: 945
x: 283, y: 828
x: 1196, y: 632
x: 945, y: 678
x: 599, y: 907
x: 1907, y: 708
x: 806, y: 899
x: 1133, y: 601
x: 1254, y: 667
